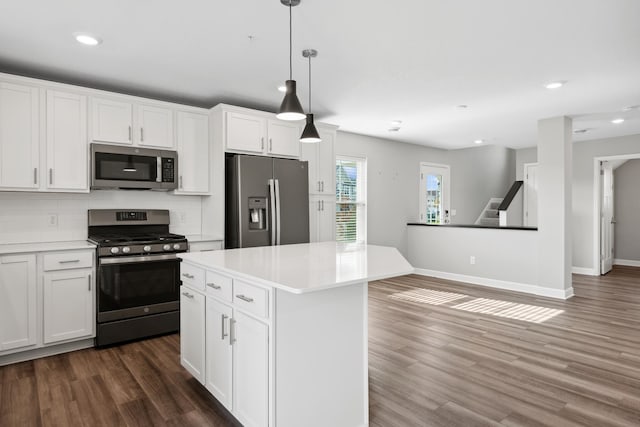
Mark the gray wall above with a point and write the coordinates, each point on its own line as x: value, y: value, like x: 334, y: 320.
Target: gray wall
x: 393, y: 181
x: 525, y: 155
x: 627, y: 211
x: 477, y: 175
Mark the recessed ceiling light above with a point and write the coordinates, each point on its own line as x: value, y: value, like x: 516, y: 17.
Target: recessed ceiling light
x: 396, y: 123
x: 394, y: 129
x: 462, y: 106
x: 617, y: 121
x: 282, y: 89
x: 87, y: 39
x: 478, y: 141
x: 555, y: 85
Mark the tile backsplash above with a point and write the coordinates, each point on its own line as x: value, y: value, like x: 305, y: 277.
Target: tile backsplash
x: 50, y: 217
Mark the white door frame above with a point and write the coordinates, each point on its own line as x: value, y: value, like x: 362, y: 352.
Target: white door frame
x: 446, y: 190
x: 597, y: 206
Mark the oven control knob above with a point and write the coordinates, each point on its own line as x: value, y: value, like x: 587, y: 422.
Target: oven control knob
x: 147, y: 248
x: 115, y: 250
x: 167, y: 247
x: 126, y: 250
x: 176, y: 246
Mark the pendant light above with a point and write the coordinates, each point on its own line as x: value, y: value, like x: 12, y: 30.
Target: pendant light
x: 290, y: 109
x: 310, y: 133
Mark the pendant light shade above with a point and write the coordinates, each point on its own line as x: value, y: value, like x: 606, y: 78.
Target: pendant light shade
x: 290, y: 109
x: 310, y: 133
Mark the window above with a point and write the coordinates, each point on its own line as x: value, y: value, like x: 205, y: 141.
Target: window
x: 434, y: 193
x: 351, y: 199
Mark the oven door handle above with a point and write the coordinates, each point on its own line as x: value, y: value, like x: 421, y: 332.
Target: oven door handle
x: 138, y: 259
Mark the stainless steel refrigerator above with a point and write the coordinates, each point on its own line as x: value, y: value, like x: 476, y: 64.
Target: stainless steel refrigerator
x: 267, y: 201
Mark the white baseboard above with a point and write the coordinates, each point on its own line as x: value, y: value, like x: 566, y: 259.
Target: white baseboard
x: 499, y: 284
x: 37, y: 353
x: 585, y: 271
x: 626, y: 262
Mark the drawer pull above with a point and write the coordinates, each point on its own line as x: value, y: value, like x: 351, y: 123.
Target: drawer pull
x: 69, y: 261
x: 187, y: 294
x: 188, y: 276
x: 214, y: 286
x: 244, y: 298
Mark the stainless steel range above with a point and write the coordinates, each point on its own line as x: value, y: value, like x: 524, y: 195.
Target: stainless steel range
x: 138, y: 274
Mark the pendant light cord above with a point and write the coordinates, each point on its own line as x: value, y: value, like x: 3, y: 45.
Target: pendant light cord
x: 309, y: 83
x: 290, y: 44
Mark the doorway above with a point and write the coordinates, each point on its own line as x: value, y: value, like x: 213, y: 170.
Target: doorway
x: 434, y: 193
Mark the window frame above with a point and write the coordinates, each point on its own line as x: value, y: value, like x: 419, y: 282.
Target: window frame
x: 361, y: 197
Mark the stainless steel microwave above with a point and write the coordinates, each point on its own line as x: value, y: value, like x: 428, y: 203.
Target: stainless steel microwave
x: 115, y: 166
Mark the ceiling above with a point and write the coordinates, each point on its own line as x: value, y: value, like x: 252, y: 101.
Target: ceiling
x: 378, y: 61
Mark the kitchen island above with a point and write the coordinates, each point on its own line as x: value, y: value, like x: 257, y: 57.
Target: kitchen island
x: 278, y: 334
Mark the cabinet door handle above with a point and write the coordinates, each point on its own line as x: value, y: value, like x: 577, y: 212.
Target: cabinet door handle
x: 224, y: 317
x: 232, y: 331
x: 141, y: 134
x: 322, y: 204
x: 262, y: 143
x: 318, y: 186
x: 322, y: 186
x: 89, y: 282
x: 270, y: 144
x: 129, y: 132
x: 68, y: 261
x: 188, y: 276
x: 50, y: 176
x: 214, y: 286
x: 187, y: 294
x: 35, y: 175
x: 244, y: 298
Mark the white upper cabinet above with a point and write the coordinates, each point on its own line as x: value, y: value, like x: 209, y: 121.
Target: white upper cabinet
x: 66, y: 141
x: 245, y: 132
x: 17, y: 301
x: 193, y: 153
x: 154, y: 127
x: 284, y: 138
x: 112, y: 121
x: 258, y: 132
x: 322, y: 161
x: 322, y: 218
x: 19, y: 137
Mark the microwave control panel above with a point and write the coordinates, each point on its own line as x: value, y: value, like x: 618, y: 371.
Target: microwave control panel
x: 168, y: 169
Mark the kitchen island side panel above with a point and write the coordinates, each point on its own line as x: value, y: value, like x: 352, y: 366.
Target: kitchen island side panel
x: 321, y: 358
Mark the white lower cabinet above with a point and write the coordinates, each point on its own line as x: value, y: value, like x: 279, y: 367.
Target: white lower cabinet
x: 68, y: 305
x: 219, y: 353
x: 192, y: 332
x: 250, y: 339
x: 18, y: 300
x: 322, y: 218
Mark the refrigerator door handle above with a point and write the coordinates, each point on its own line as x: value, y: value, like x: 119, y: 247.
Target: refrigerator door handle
x: 272, y: 203
x: 277, y: 182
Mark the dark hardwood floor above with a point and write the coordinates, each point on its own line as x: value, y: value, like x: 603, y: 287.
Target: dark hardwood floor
x: 441, y: 353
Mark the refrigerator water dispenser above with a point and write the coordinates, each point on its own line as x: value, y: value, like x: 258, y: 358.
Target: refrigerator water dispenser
x: 257, y: 213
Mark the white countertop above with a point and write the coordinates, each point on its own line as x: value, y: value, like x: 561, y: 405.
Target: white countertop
x: 17, y: 248
x: 306, y: 267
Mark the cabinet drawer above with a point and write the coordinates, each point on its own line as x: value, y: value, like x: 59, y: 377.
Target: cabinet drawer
x: 251, y: 298
x: 192, y: 276
x: 219, y: 286
x: 68, y: 260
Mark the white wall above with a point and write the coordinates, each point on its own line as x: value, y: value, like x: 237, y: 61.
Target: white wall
x: 584, y: 154
x: 627, y: 211
x: 506, y: 259
x: 477, y: 175
x: 524, y: 155
x: 24, y: 217
x: 393, y: 182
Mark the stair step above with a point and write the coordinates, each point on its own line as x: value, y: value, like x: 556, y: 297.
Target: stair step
x: 495, y: 205
x: 492, y: 213
x: 493, y: 222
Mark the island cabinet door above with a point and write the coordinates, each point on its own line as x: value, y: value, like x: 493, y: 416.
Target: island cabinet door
x: 219, y: 352
x: 250, y: 340
x: 192, y: 327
